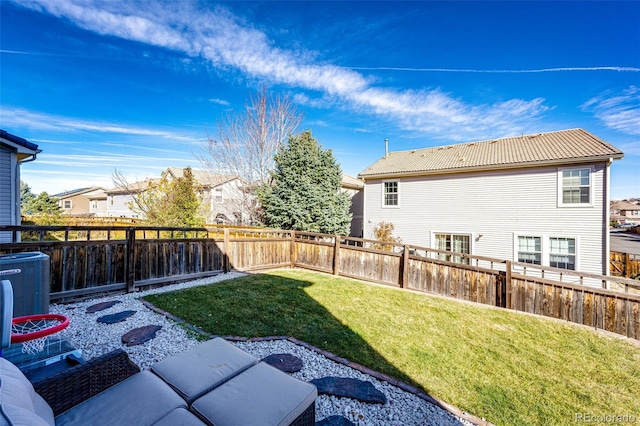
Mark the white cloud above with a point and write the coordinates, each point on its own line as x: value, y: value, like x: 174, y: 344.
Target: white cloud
x: 630, y: 148
x: 18, y: 117
x: 619, y: 111
x: 228, y: 43
x: 503, y: 71
x: 219, y: 102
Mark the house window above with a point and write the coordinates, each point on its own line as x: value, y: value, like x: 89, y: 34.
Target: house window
x: 67, y: 204
x: 562, y: 253
x: 390, y: 196
x: 575, y: 186
x: 453, y: 242
x: 94, y: 204
x: 217, y: 195
x: 530, y: 250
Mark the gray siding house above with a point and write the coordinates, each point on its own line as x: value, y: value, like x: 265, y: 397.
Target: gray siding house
x: 354, y: 187
x: 14, y: 151
x: 540, y: 199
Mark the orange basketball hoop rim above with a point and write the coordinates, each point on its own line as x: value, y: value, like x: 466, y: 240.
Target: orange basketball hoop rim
x: 48, y: 324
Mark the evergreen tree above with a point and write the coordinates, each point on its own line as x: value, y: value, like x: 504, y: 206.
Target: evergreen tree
x: 306, y: 194
x: 26, y: 197
x: 43, y: 204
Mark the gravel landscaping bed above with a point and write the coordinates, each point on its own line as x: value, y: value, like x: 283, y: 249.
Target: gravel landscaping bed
x: 94, y: 339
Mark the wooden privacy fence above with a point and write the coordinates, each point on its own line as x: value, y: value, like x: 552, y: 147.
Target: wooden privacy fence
x: 86, y: 261
x: 624, y: 264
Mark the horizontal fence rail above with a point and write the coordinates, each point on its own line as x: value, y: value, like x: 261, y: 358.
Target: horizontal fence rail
x: 86, y: 261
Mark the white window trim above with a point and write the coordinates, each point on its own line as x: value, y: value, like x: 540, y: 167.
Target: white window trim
x: 516, y: 251
x: 591, y: 178
x: 214, y: 197
x: 385, y: 206
x: 577, y: 254
x: 471, y: 236
x: 64, y: 203
x: 546, y: 247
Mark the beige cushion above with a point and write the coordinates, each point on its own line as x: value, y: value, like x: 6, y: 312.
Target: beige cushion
x: 43, y: 409
x: 179, y: 417
x: 198, y: 370
x: 262, y: 395
x: 18, y: 398
x: 142, y: 399
x: 12, y: 415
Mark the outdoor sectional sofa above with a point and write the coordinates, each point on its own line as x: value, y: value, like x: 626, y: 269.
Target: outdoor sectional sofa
x: 214, y: 383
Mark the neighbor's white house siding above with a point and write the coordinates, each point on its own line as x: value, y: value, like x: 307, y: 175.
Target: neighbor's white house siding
x: 232, y: 202
x: 118, y: 206
x: 98, y: 207
x: 356, y: 207
x: 494, y: 208
x: 8, y: 192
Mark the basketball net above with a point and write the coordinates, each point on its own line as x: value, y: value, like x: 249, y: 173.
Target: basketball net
x: 37, y: 344
x: 34, y: 346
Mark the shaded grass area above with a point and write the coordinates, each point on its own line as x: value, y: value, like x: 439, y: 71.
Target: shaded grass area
x: 505, y: 367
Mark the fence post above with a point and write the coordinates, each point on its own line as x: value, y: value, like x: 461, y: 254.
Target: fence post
x: 404, y: 279
x: 508, y: 284
x: 292, y: 249
x: 225, y: 253
x: 336, y: 255
x: 627, y: 265
x: 129, y: 272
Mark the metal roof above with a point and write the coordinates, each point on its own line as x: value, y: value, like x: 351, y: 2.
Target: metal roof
x: 351, y: 182
x: 564, y: 146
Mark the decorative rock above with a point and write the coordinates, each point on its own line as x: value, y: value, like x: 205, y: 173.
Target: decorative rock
x: 101, y: 306
x: 117, y: 317
x: 350, y: 388
x: 140, y: 335
x: 335, y: 421
x: 284, y: 362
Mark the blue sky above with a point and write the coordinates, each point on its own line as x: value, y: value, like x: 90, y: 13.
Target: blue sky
x: 135, y: 86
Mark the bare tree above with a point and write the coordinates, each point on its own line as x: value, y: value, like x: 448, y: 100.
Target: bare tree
x: 246, y: 143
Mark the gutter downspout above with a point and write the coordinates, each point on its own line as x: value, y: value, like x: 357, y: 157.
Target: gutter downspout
x: 18, y: 203
x: 607, y: 220
x: 33, y: 158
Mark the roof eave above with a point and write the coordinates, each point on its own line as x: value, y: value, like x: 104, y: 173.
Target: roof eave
x: 493, y: 167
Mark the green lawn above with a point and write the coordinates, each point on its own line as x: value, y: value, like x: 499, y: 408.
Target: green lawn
x: 506, y: 367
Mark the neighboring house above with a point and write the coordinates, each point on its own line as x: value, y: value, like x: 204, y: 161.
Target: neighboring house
x: 14, y: 151
x: 540, y: 199
x: 98, y: 203
x: 354, y: 187
x: 629, y: 212
x: 223, y: 196
x: 77, y: 202
x: 120, y: 199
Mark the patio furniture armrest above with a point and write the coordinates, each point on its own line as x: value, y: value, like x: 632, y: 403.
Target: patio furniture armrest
x: 69, y: 388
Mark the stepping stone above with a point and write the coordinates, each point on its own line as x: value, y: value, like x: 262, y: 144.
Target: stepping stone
x: 284, y: 362
x: 117, y: 317
x: 350, y: 388
x: 335, y: 421
x: 101, y: 306
x: 140, y: 335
